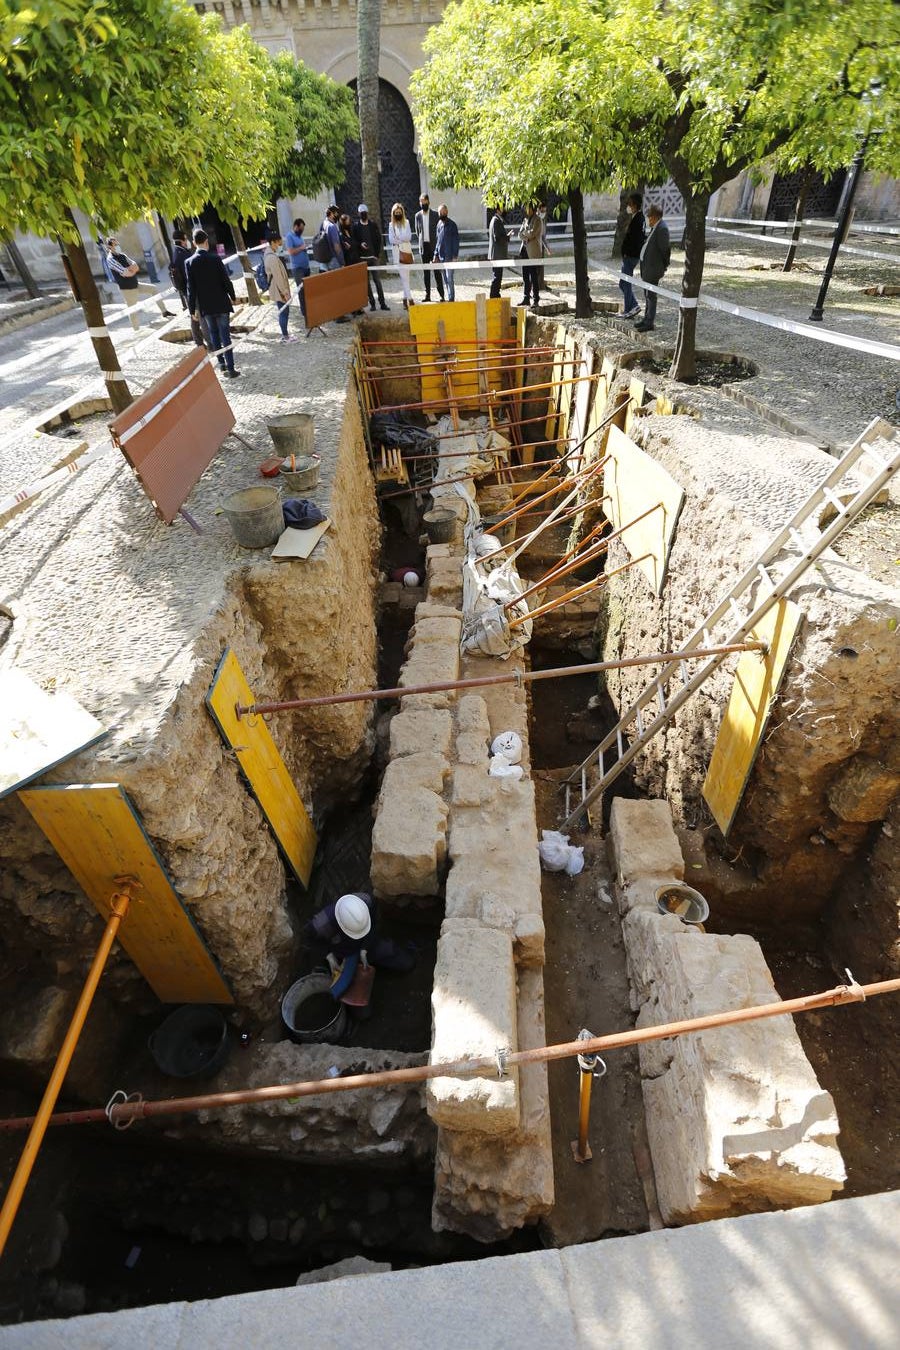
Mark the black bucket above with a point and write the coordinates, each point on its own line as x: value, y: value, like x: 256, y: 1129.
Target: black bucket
x: 191, y: 1043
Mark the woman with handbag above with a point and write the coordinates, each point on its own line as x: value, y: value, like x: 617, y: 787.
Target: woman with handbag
x: 531, y: 234
x: 400, y: 239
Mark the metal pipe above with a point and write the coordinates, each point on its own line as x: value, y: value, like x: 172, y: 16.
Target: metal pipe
x: 574, y: 594
x: 572, y: 481
x: 576, y: 560
x: 513, y: 677
x: 119, y: 908
x: 490, y: 393
x: 464, y: 1068
x: 424, y: 488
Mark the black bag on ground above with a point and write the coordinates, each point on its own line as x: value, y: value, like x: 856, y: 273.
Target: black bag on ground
x: 394, y: 429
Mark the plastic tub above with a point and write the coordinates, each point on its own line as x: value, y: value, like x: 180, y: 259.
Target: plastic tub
x: 303, y: 477
x: 683, y: 901
x: 440, y: 524
x: 191, y: 1043
x: 255, y: 516
x: 293, y: 434
x: 332, y: 1021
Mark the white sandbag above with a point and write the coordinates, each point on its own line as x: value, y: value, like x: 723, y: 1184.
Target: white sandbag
x: 508, y: 744
x: 501, y: 768
x: 558, y: 855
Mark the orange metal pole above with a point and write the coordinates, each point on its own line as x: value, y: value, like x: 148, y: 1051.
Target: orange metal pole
x: 119, y: 902
x: 565, y: 598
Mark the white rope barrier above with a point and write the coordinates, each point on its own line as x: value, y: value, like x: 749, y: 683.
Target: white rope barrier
x: 811, y: 243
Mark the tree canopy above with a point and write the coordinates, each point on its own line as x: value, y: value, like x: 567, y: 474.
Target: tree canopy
x: 324, y: 118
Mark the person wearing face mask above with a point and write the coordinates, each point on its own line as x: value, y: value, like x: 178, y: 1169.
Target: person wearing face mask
x: 631, y: 253
x: 446, y: 249
x: 368, y: 241
x: 426, y: 229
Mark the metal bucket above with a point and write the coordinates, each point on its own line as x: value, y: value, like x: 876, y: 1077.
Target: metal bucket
x: 496, y: 526
x: 301, y: 991
x: 440, y: 525
x: 255, y: 516
x: 191, y: 1043
x: 683, y: 901
x: 293, y: 433
x: 302, y: 477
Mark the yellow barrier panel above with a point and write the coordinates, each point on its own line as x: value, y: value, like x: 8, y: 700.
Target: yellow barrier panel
x: 756, y: 683
x: 634, y: 483
x: 637, y: 392
x: 99, y: 836
x: 262, y: 766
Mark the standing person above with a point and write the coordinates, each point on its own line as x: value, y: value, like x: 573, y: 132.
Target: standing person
x: 297, y: 250
x: 545, y: 248
x: 368, y: 241
x: 631, y: 254
x: 210, y: 296
x: 349, y: 245
x: 125, y: 273
x: 655, y: 258
x: 426, y: 230
x: 180, y: 255
x: 498, y: 249
x: 333, y: 235
x: 400, y: 240
x: 446, y: 248
x: 279, y: 285
x: 531, y: 234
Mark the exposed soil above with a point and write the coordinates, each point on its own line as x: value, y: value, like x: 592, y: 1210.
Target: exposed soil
x: 711, y: 373
x: 872, y: 542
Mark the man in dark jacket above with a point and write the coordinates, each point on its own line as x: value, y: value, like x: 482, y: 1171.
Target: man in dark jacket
x: 180, y: 255
x: 426, y: 229
x: 446, y: 249
x: 347, y: 930
x: 655, y: 257
x: 368, y: 240
x: 498, y: 249
x: 631, y: 254
x: 210, y: 294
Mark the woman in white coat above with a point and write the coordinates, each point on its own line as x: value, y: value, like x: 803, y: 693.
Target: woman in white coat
x: 400, y: 239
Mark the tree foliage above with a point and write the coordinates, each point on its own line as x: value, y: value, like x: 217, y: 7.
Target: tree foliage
x: 324, y: 118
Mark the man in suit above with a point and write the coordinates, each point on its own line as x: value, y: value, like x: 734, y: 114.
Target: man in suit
x: 447, y: 247
x: 180, y: 255
x: 498, y: 249
x: 655, y: 257
x: 426, y: 229
x: 210, y: 294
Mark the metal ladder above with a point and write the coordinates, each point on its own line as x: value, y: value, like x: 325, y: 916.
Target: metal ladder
x: 659, y: 701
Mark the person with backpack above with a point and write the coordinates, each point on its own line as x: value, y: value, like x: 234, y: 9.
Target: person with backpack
x: 332, y: 235
x: 178, y: 277
x: 278, y: 285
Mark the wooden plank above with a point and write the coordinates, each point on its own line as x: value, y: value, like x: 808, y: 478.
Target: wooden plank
x: 637, y: 392
x: 293, y: 544
x: 328, y: 295
x: 262, y: 766
x: 99, y: 836
x: 581, y: 401
x: 633, y: 484
x: 756, y: 682
x: 38, y: 730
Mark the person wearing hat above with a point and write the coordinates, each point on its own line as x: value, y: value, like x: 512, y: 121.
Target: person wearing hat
x: 125, y: 274
x: 347, y: 929
x: 368, y: 240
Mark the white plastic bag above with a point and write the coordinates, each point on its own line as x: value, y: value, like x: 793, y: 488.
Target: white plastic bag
x: 509, y: 745
x: 558, y: 855
x: 501, y: 768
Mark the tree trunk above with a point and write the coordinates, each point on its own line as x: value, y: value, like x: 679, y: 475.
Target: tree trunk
x: 368, y: 41
x: 583, y: 303
x: 22, y: 267
x: 684, y: 365
x: 805, y: 184
x: 240, y: 248
x: 84, y: 289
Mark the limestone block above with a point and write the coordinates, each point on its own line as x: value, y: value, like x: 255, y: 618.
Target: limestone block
x: 409, y: 838
x: 471, y: 784
x: 432, y: 663
x: 438, y: 551
x: 428, y: 609
x: 445, y: 628
x: 474, y: 1013
x: 863, y: 790
x: 642, y: 841
x: 352, y: 1267
x: 472, y: 715
x: 472, y: 748
x: 32, y: 1031
x: 421, y: 730
x: 529, y: 938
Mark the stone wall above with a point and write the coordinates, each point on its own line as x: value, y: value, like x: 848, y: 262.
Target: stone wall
x: 736, y: 1119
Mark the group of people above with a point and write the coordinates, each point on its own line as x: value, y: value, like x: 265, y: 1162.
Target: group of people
x: 646, y: 246
x: 532, y: 236
x: 437, y: 236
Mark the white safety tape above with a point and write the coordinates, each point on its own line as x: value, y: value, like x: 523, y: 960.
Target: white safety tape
x: 479, y: 264
x: 39, y: 485
x: 811, y: 243
x: 112, y: 374
x: 97, y: 332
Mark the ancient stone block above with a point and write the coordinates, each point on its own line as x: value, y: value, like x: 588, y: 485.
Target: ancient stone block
x: 417, y: 730
x: 529, y: 938
x: 470, y: 784
x: 443, y: 628
x: 474, y: 1013
x: 472, y: 748
x: 863, y: 790
x: 642, y: 841
x: 428, y: 609
x: 472, y: 715
x: 432, y: 663
x: 409, y: 838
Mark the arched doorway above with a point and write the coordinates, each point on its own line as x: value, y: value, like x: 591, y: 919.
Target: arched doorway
x: 400, y: 181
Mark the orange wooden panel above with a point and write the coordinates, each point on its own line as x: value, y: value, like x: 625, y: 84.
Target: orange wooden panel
x: 329, y: 295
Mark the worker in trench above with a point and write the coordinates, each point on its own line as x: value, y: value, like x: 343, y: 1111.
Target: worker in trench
x: 347, y: 929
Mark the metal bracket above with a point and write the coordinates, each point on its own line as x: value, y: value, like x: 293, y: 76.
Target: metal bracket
x: 591, y: 1064
x: 121, y: 1098
x: 501, y: 1056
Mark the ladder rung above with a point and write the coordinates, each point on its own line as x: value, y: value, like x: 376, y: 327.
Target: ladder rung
x: 835, y: 500
x: 620, y: 747
x: 764, y: 575
x: 640, y: 721
x: 684, y: 673
x: 797, y: 541
x: 600, y: 761
x: 583, y: 782
x: 883, y: 464
x: 736, y: 610
x: 660, y: 696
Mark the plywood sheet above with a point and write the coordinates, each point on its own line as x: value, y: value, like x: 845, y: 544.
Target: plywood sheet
x: 756, y: 682
x: 581, y: 398
x: 262, y: 766
x: 637, y: 391
x: 328, y: 295
x: 633, y: 484
x: 172, y: 433
x: 298, y: 543
x: 38, y: 730
x: 97, y: 833
x: 453, y: 328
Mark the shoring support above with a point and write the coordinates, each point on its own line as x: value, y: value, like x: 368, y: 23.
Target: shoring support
x: 119, y: 903
x: 513, y: 677
x: 121, y: 1114
x: 589, y: 1068
x: 425, y: 404
x: 568, y: 596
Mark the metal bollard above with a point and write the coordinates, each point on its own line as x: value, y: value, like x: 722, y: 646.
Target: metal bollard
x: 590, y: 1067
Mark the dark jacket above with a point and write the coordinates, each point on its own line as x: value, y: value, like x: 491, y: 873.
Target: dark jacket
x: 432, y: 227
x: 447, y: 247
x: 368, y: 240
x: 324, y: 929
x: 209, y: 287
x: 634, y: 236
x: 180, y: 255
x: 350, y: 248
x: 498, y: 240
x: 657, y: 253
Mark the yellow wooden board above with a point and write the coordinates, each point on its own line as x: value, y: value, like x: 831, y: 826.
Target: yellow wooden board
x: 458, y: 319
x: 262, y: 766
x: 97, y: 833
x: 756, y: 683
x: 559, y: 372
x: 633, y: 484
x: 637, y: 391
x: 581, y: 399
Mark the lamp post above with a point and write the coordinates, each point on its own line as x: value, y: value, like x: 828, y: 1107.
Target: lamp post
x: 843, y: 227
